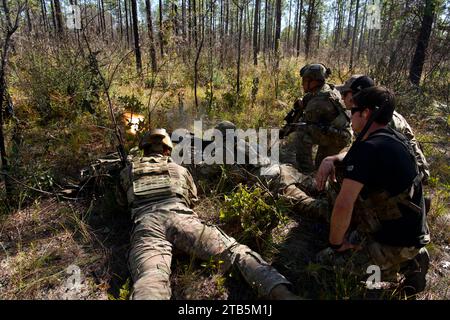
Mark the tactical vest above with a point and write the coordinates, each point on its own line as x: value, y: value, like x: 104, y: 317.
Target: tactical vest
x: 155, y: 179
x: 384, y: 216
x: 342, y: 120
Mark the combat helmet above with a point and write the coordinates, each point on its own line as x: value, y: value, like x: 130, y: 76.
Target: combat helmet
x: 224, y: 125
x: 315, y: 71
x: 156, y: 136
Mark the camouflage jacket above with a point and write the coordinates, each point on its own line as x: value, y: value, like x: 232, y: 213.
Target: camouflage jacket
x: 325, y: 107
x: 400, y: 124
x: 157, y: 178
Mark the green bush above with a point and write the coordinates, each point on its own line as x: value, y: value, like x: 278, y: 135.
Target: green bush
x: 250, y: 213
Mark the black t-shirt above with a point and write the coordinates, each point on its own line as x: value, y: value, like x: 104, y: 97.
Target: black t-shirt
x: 381, y: 164
x: 384, y: 164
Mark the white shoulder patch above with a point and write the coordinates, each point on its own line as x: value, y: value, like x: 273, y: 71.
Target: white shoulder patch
x: 349, y: 168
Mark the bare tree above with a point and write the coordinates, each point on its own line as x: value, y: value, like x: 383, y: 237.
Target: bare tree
x: 161, y: 35
x: 148, y: 11
x: 137, y: 49
x: 10, y: 28
x: 277, y: 25
x: 299, y: 28
x: 310, y: 17
x: 59, y: 17
x: 415, y: 72
x: 355, y: 30
x: 255, y: 31
x: 127, y: 23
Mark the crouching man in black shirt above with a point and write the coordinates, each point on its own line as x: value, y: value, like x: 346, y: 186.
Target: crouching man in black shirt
x: 381, y: 195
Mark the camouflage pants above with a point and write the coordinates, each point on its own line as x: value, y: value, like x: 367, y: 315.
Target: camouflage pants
x: 298, y: 189
x: 159, y: 228
x: 389, y: 259
x: 328, y: 144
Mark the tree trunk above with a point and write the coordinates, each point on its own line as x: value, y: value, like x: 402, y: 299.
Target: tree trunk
x: 148, y: 11
x: 183, y: 18
x: 349, y: 24
x: 58, y: 17
x: 340, y: 18
x: 137, y: 50
x: 277, y: 25
x: 27, y: 13
x: 309, y: 28
x: 255, y: 32
x: 102, y: 17
x: 161, y: 36
x: 194, y: 23
x: 119, y: 14
x: 266, y: 20
x: 355, y: 30
x: 238, y: 76
x: 296, y: 17
x: 418, y: 60
x: 127, y: 23
x: 10, y: 30
x: 44, y: 14
x: 289, y: 27
x: 299, y: 29
x: 361, y: 35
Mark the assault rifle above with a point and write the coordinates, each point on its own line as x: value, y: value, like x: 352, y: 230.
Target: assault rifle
x: 291, y: 119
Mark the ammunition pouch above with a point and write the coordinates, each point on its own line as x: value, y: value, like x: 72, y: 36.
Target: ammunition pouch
x: 155, y: 179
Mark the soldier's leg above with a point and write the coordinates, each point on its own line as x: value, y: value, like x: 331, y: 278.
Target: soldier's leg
x: 306, y: 205
x: 303, y: 152
x: 190, y: 234
x: 390, y: 259
x: 387, y: 258
x: 150, y: 258
x: 290, y: 186
x: 329, y: 143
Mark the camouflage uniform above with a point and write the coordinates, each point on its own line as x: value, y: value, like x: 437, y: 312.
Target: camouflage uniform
x: 401, y: 125
x: 329, y: 127
x: 160, y: 193
x: 369, y: 216
x: 298, y: 189
x: 283, y: 180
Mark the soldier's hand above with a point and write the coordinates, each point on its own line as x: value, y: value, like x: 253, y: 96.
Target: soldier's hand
x: 298, y: 104
x: 347, y: 245
x: 326, y: 170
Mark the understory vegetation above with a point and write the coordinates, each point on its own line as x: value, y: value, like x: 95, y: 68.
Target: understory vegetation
x: 57, y: 119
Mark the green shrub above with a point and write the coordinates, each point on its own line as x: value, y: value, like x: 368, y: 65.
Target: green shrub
x: 251, y: 214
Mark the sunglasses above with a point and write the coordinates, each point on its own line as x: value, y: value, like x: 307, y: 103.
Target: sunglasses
x: 357, y: 109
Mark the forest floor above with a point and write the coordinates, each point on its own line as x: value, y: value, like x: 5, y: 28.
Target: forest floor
x: 55, y: 248
x: 44, y: 241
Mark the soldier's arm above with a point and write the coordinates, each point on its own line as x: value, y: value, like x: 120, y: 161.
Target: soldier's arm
x: 327, y: 169
x: 403, y: 126
x: 191, y: 185
x: 342, y: 212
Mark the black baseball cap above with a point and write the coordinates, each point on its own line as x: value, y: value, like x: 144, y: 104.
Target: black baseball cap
x: 361, y: 83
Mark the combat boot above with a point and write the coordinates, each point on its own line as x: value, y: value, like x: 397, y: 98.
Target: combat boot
x: 415, y: 273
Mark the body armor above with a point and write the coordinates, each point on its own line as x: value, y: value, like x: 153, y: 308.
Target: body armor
x: 157, y: 178
x: 335, y: 117
x: 383, y: 215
